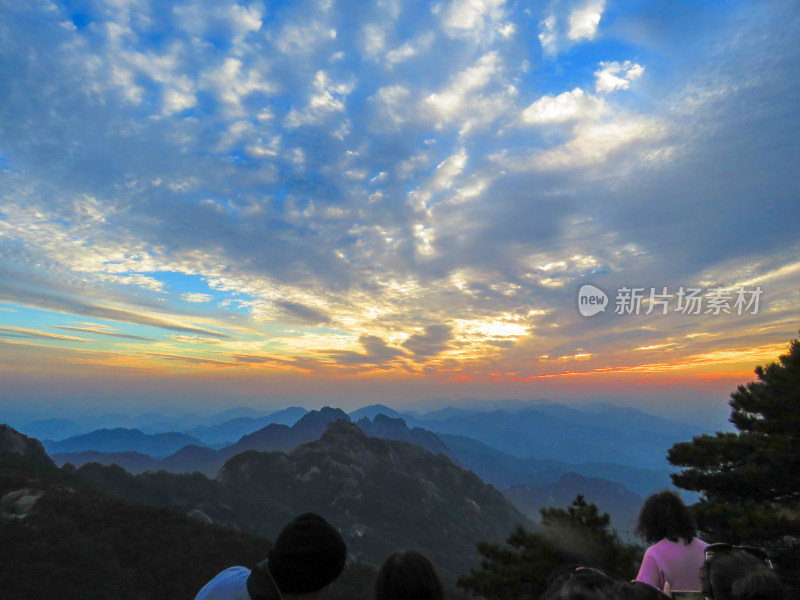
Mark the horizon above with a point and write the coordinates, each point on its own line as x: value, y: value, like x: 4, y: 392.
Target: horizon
x: 208, y: 204
x: 131, y: 419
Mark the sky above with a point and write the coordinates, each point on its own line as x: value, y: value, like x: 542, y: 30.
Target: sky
x: 206, y: 204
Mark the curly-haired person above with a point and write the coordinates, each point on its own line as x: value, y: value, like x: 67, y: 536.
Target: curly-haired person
x: 676, y: 554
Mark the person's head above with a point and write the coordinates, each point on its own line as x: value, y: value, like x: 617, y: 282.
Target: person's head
x: 761, y: 584
x: 738, y: 573
x: 664, y: 515
x: 408, y: 575
x: 586, y: 583
x: 308, y: 555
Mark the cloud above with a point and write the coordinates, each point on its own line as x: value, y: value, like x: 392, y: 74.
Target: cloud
x: 24, y: 333
x: 60, y: 302
x: 393, y: 105
x: 568, y: 106
x: 569, y: 23
x: 232, y: 82
x: 328, y: 97
x: 410, y: 48
x: 190, y: 360
x: 481, y: 20
x: 597, y: 143
x: 295, y: 311
x: 374, y: 40
x: 449, y: 101
x: 98, y: 331
x: 547, y: 34
x: 474, y: 97
x: 377, y: 352
x: 433, y: 341
x: 608, y: 78
x: 195, y: 297
x: 335, y: 176
x: 584, y: 20
x: 296, y: 39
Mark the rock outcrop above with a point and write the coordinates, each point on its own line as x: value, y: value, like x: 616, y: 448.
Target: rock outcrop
x: 14, y: 442
x: 382, y: 494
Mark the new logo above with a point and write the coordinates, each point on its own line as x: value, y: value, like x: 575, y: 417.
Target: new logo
x: 591, y: 300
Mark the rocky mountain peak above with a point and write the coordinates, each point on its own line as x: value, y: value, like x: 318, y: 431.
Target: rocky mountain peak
x: 382, y: 494
x: 14, y: 442
x: 389, y: 423
x: 322, y: 416
x: 395, y: 428
x: 342, y: 431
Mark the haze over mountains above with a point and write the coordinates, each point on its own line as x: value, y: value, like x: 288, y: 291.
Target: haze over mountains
x: 611, y: 497
x: 63, y: 539
x: 439, y: 481
x: 124, y: 440
x: 381, y: 494
x: 547, y: 449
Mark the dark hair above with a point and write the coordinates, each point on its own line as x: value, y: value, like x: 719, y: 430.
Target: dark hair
x: 761, y: 584
x: 308, y: 555
x: 408, y: 575
x: 586, y: 583
x: 664, y: 515
x: 739, y: 575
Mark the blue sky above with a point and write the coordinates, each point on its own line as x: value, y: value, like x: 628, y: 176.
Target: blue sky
x: 392, y: 200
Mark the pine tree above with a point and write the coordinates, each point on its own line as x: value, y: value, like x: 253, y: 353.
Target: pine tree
x: 750, y: 480
x: 579, y: 535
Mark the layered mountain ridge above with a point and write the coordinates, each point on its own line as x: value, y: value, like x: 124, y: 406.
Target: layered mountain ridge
x: 272, y: 437
x: 533, y: 481
x: 618, y: 501
x: 381, y: 494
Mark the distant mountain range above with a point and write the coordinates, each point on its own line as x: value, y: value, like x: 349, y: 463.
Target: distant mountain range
x: 395, y: 428
x: 58, y: 429
x: 61, y: 539
x: 124, y: 440
x: 384, y: 482
x: 619, y: 502
x: 194, y: 456
x: 597, y: 433
x: 273, y: 437
x: 504, y: 470
x: 493, y: 466
x: 133, y: 462
x: 622, y: 436
x: 373, y: 410
x: 523, y: 444
x: 229, y: 431
x: 600, y: 433
x: 382, y: 494
x: 389, y: 479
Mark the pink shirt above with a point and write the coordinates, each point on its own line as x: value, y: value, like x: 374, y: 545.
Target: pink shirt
x: 675, y: 563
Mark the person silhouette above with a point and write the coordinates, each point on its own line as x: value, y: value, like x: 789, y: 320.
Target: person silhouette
x: 308, y: 555
x: 408, y: 575
x: 676, y: 553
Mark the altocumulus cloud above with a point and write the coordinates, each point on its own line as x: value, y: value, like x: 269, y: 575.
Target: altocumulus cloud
x: 319, y: 172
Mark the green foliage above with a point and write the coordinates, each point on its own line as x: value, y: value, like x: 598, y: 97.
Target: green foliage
x: 75, y: 543
x: 750, y: 480
x: 78, y: 543
x: 579, y: 535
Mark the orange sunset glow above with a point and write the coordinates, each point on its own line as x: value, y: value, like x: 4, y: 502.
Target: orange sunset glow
x: 284, y: 203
